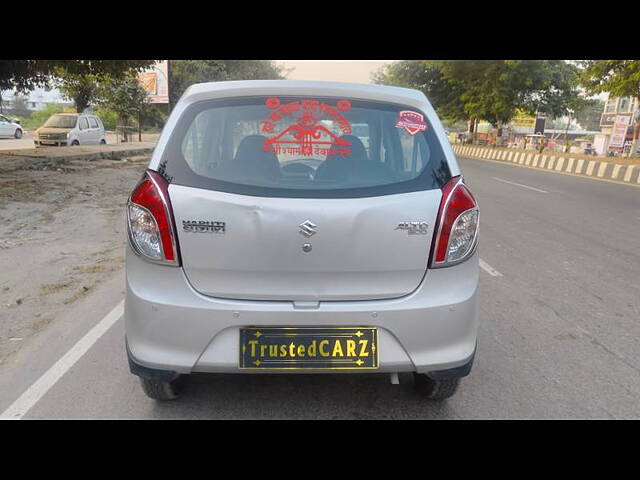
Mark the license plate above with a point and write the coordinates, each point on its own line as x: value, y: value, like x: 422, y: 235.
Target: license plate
x: 293, y: 348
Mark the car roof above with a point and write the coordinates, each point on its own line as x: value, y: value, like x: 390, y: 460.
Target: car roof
x: 211, y: 90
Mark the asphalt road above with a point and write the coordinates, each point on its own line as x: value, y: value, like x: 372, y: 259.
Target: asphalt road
x: 558, y: 333
x: 14, y: 144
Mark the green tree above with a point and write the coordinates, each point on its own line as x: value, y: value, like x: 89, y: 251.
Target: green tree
x: 19, y: 106
x: 573, y: 108
x: 427, y: 77
x: 109, y: 117
x: 81, y: 89
x: 184, y: 73
x: 154, y: 116
x: 589, y: 116
x: 621, y: 78
x: 124, y: 97
x: 496, y: 90
x: 37, y: 118
x: 25, y: 75
x: 491, y: 90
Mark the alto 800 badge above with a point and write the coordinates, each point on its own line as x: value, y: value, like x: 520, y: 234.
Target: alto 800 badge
x: 414, y: 228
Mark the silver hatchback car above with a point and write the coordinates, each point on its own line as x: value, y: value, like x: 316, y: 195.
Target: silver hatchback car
x: 269, y: 235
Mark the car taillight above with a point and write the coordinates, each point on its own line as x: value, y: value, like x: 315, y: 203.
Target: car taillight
x: 457, y: 229
x: 150, y: 220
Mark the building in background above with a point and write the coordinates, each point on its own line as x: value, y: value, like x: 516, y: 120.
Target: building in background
x: 616, y: 125
x: 155, y: 81
x: 35, y: 100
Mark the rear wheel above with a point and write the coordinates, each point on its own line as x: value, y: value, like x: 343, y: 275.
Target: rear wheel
x: 163, y: 391
x: 103, y: 142
x: 435, y: 389
x: 75, y: 142
x: 18, y: 133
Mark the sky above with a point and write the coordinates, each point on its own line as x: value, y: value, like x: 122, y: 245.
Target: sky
x: 357, y: 71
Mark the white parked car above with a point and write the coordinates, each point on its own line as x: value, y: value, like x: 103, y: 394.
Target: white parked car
x: 264, y: 237
x: 10, y: 128
x: 70, y: 129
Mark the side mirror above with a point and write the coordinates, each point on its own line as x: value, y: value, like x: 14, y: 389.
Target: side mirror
x: 16, y: 121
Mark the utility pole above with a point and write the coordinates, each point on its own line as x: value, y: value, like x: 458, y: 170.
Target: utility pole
x: 566, y: 134
x: 170, y: 103
x: 635, y: 124
x: 475, y: 129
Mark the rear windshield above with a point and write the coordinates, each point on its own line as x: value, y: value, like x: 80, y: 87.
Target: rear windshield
x: 304, y: 147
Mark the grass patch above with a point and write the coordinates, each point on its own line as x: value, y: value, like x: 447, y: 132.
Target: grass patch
x: 40, y: 324
x: 50, y: 288
x: 79, y: 294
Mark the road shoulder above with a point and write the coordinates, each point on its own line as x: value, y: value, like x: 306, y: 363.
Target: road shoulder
x: 42, y: 350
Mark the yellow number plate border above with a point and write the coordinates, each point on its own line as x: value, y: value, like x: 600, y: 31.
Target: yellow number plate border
x: 293, y: 332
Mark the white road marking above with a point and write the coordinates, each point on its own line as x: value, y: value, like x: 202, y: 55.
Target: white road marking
x: 489, y: 269
x: 41, y: 386
x: 519, y: 185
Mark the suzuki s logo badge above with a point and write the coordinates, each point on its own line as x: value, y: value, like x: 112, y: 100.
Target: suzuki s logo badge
x: 414, y: 228
x: 307, y: 228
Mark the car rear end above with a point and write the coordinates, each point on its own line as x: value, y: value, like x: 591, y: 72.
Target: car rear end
x: 312, y: 227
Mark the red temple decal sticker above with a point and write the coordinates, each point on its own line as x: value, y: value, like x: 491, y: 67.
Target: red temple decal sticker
x: 412, y: 122
x: 307, y: 136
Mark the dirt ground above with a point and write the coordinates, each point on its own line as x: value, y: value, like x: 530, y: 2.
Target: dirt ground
x: 62, y: 232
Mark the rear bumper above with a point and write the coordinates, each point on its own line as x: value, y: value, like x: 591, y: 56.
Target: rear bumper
x: 171, y: 327
x: 163, y: 375
x: 140, y: 370
x: 50, y: 143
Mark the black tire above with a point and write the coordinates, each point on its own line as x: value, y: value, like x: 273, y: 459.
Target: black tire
x: 18, y: 133
x: 75, y: 143
x: 436, y: 390
x: 103, y: 142
x: 163, y: 391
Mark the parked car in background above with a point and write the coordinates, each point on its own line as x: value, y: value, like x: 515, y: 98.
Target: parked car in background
x: 70, y: 129
x: 10, y: 128
x: 265, y: 237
